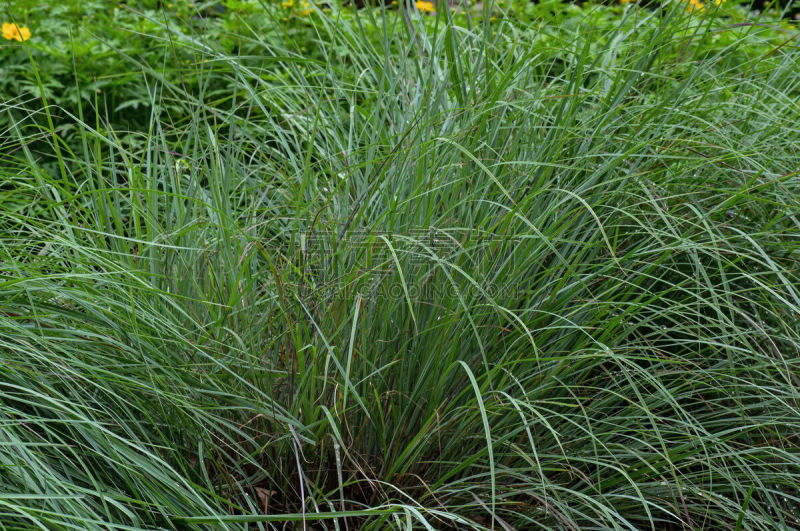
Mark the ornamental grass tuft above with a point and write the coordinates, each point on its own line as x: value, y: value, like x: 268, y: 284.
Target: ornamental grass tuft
x: 364, y: 271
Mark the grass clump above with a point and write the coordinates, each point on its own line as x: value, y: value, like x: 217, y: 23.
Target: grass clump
x: 425, y: 276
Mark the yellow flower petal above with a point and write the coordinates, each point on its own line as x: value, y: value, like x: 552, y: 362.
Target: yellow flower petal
x: 426, y: 7
x: 14, y: 32
x: 8, y: 31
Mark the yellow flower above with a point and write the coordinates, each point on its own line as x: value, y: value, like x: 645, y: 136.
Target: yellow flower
x: 694, y: 5
x: 623, y: 2
x: 306, y: 9
x: 14, y: 32
x: 426, y: 7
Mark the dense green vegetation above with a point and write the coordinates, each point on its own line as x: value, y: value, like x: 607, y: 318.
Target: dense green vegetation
x: 309, y: 267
